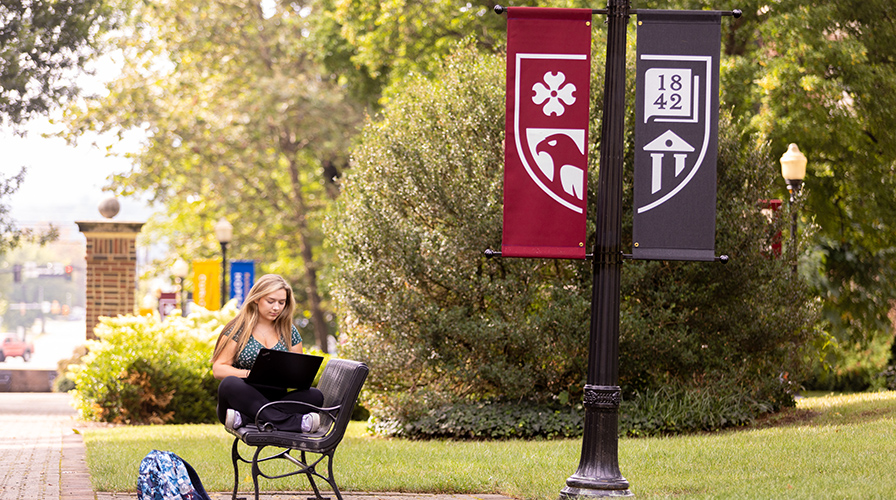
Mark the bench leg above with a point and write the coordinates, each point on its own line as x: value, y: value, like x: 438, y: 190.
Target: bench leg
x: 310, y: 476
x: 256, y: 470
x: 329, y: 479
x: 235, y: 458
x: 332, y: 479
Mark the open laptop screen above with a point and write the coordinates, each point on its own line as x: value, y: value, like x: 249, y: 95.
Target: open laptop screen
x: 285, y: 369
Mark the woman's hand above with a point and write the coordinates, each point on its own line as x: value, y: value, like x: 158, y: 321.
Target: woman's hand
x: 222, y: 366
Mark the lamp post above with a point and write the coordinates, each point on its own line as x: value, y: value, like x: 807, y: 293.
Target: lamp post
x: 180, y: 270
x: 598, y: 474
x: 224, y: 233
x: 793, y: 169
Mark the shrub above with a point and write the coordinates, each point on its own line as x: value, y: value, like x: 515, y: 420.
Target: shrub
x: 850, y: 366
x: 441, y: 326
x: 672, y: 408
x: 142, y: 370
x: 63, y: 381
x: 421, y: 304
x: 678, y: 408
x: 490, y: 420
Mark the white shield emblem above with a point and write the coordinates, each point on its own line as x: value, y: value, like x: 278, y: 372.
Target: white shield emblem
x: 550, y: 135
x: 676, y: 112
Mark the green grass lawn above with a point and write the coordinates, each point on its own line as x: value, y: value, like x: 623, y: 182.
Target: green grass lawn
x: 837, y: 446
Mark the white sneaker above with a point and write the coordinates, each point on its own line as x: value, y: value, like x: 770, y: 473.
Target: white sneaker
x: 310, y: 422
x: 233, y: 420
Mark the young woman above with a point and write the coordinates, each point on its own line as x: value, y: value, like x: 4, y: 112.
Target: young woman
x: 265, y: 320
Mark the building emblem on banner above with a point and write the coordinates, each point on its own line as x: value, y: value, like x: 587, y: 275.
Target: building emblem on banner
x: 552, y: 151
x: 677, y: 102
x: 668, y: 142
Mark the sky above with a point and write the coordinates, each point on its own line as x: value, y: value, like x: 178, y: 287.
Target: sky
x: 63, y: 183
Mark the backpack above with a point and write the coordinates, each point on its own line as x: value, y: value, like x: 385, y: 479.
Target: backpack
x: 166, y: 476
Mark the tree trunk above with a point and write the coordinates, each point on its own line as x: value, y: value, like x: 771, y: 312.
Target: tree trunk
x: 311, y: 288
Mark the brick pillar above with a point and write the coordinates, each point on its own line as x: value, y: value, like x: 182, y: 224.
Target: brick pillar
x: 111, y: 269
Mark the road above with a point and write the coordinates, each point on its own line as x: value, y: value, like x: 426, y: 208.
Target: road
x: 58, y: 342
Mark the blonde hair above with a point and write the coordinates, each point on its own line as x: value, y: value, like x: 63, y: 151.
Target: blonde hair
x: 244, y: 322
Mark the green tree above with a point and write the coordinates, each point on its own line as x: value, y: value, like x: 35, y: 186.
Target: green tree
x: 421, y: 303
x: 11, y: 235
x: 438, y: 322
x: 373, y: 43
x: 239, y: 122
x: 819, y: 74
x: 830, y: 88
x: 407, y: 36
x: 822, y: 75
x: 43, y: 45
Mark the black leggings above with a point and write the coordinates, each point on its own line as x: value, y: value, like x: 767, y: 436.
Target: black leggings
x: 234, y: 392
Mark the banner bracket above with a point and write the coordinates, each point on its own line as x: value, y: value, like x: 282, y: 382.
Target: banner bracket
x: 719, y: 258
x: 489, y: 253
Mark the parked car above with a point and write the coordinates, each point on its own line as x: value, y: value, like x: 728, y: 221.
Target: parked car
x: 12, y: 346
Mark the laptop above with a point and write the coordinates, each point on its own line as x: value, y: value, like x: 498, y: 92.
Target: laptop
x: 284, y: 369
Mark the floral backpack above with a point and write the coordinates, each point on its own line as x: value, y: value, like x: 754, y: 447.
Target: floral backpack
x: 166, y: 476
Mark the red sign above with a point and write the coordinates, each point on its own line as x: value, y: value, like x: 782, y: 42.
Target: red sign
x: 167, y: 303
x: 546, y: 138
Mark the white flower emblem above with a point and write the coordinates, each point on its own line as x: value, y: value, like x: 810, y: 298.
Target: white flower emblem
x: 554, y: 93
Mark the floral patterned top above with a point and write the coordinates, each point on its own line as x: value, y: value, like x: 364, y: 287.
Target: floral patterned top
x: 246, y: 358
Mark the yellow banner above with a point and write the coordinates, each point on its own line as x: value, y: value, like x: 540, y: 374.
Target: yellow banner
x: 207, y: 284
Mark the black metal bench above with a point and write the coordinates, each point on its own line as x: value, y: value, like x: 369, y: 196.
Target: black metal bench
x: 341, y: 383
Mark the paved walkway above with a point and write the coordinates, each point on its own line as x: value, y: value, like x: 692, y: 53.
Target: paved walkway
x: 42, y: 457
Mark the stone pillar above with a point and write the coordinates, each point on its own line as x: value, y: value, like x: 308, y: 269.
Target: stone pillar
x: 111, y: 269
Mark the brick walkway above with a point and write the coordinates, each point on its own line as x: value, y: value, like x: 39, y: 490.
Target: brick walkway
x: 42, y: 457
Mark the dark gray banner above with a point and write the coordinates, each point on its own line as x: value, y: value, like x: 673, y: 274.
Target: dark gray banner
x: 676, y: 135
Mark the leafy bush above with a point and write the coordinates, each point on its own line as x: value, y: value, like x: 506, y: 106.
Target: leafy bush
x: 63, y: 381
x: 677, y: 408
x: 850, y: 366
x: 490, y: 420
x: 673, y: 408
x: 420, y: 302
x: 442, y: 327
x: 145, y: 371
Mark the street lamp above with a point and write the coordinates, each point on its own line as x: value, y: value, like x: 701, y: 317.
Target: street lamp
x: 793, y: 169
x: 180, y: 270
x: 224, y: 233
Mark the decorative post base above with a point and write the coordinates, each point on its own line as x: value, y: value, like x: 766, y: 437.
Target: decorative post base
x: 590, y: 489
x: 598, y: 474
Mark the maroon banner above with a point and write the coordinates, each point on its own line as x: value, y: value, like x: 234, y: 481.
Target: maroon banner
x: 546, y: 138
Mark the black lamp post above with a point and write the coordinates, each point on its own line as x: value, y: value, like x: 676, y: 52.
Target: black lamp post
x: 793, y: 169
x: 224, y: 233
x: 180, y: 270
x: 598, y: 474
